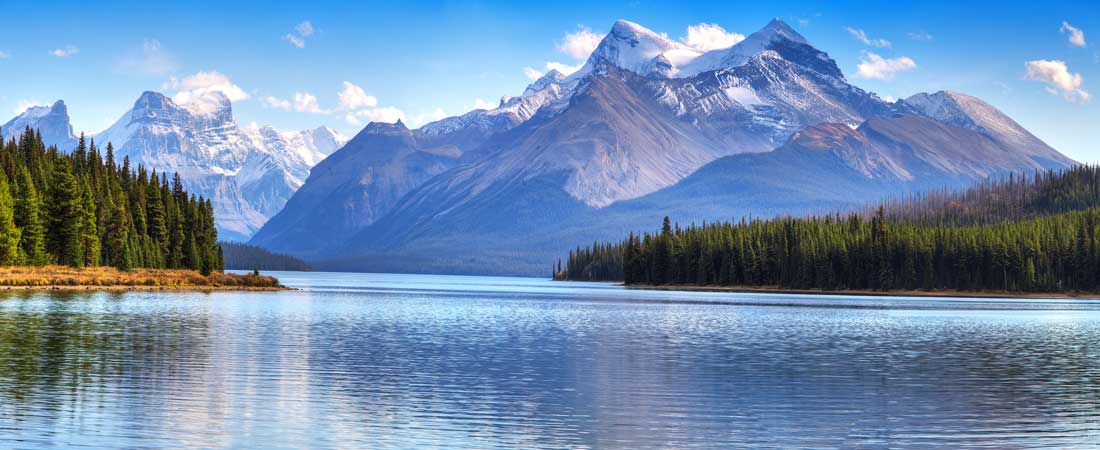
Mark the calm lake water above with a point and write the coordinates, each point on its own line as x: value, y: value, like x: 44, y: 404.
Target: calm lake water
x: 400, y: 361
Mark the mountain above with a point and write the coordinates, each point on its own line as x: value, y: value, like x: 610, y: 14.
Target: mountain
x: 648, y: 127
x: 363, y: 181
x: 248, y: 173
x: 51, y: 121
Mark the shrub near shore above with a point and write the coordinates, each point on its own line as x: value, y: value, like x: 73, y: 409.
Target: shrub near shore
x: 109, y: 277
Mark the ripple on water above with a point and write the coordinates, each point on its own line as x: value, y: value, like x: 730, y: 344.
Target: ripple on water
x: 387, y: 361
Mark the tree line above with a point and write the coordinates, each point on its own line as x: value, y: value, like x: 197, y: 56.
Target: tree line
x: 248, y: 257
x: 84, y: 209
x: 1037, y: 233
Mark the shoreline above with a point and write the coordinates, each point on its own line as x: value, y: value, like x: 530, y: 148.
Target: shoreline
x: 63, y: 278
x: 125, y: 288
x: 869, y: 293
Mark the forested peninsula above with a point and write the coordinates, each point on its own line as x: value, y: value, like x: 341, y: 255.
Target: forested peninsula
x: 1037, y: 233
x: 84, y: 209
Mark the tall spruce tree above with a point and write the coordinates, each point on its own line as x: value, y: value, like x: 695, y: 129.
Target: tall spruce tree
x: 28, y: 217
x: 9, y: 232
x: 65, y: 216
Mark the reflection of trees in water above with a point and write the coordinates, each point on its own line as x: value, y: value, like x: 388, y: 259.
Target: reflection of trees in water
x: 58, y: 346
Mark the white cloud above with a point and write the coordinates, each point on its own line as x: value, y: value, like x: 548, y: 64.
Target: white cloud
x: 5, y: 55
x: 1058, y: 78
x: 150, y: 59
x: 482, y: 104
x: 295, y: 41
x: 388, y: 114
x: 66, y: 52
x: 301, y: 31
x: 581, y: 43
x: 23, y: 105
x: 307, y: 103
x: 276, y: 103
x: 304, y: 29
x: 565, y: 69
x: 861, y: 36
x: 920, y: 36
x: 421, y: 119
x: 876, y: 67
x: 532, y: 73
x: 1076, y: 36
x: 195, y: 86
x: 354, y: 97
x: 709, y: 36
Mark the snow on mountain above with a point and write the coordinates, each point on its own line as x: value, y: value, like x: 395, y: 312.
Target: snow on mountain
x: 52, y: 121
x: 642, y: 117
x: 640, y: 50
x: 972, y: 113
x: 249, y: 173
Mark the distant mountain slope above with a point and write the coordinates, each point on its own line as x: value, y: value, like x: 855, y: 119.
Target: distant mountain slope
x: 354, y: 186
x: 51, y: 121
x: 837, y: 168
x: 364, y: 180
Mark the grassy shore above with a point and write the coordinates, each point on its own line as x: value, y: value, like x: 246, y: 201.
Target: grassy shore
x: 111, y: 279
x: 896, y: 293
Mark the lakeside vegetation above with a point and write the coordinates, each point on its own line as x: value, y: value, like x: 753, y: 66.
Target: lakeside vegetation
x: 110, y: 278
x: 84, y: 209
x: 1038, y: 233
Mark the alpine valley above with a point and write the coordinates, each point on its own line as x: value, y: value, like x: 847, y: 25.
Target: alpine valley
x: 648, y: 127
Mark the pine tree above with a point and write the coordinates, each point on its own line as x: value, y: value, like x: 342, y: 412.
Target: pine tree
x: 65, y: 214
x: 89, y: 235
x: 28, y: 217
x: 9, y: 232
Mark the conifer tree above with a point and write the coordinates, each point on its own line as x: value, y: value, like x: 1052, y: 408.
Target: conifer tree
x: 28, y: 217
x: 65, y: 214
x: 9, y: 232
x: 89, y: 235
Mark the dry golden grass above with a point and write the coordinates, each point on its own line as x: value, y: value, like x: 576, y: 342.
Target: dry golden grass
x: 110, y: 278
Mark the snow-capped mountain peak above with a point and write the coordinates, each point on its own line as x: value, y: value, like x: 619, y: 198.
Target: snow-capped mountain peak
x: 551, y: 77
x: 51, y: 121
x: 638, y: 49
x: 635, y: 48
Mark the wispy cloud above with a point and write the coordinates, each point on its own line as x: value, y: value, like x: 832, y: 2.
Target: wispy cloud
x: 23, y: 105
x: 275, y: 103
x: 920, y: 36
x: 65, y: 52
x: 876, y: 67
x: 1059, y: 80
x: 709, y: 36
x: 581, y: 43
x: 565, y: 69
x: 861, y: 36
x: 192, y: 91
x: 298, y: 36
x: 307, y: 103
x: 482, y: 104
x: 1076, y: 36
x: 354, y: 97
x: 150, y: 58
x: 5, y: 54
x: 532, y: 73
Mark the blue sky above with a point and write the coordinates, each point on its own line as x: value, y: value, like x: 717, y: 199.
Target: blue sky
x: 420, y: 61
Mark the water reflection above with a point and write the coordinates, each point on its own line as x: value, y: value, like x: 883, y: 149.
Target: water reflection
x: 358, y: 361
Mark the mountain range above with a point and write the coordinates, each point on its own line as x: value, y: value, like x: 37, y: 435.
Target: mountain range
x: 647, y: 127
x: 248, y: 172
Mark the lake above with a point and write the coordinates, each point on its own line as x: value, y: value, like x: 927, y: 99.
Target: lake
x: 401, y: 361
